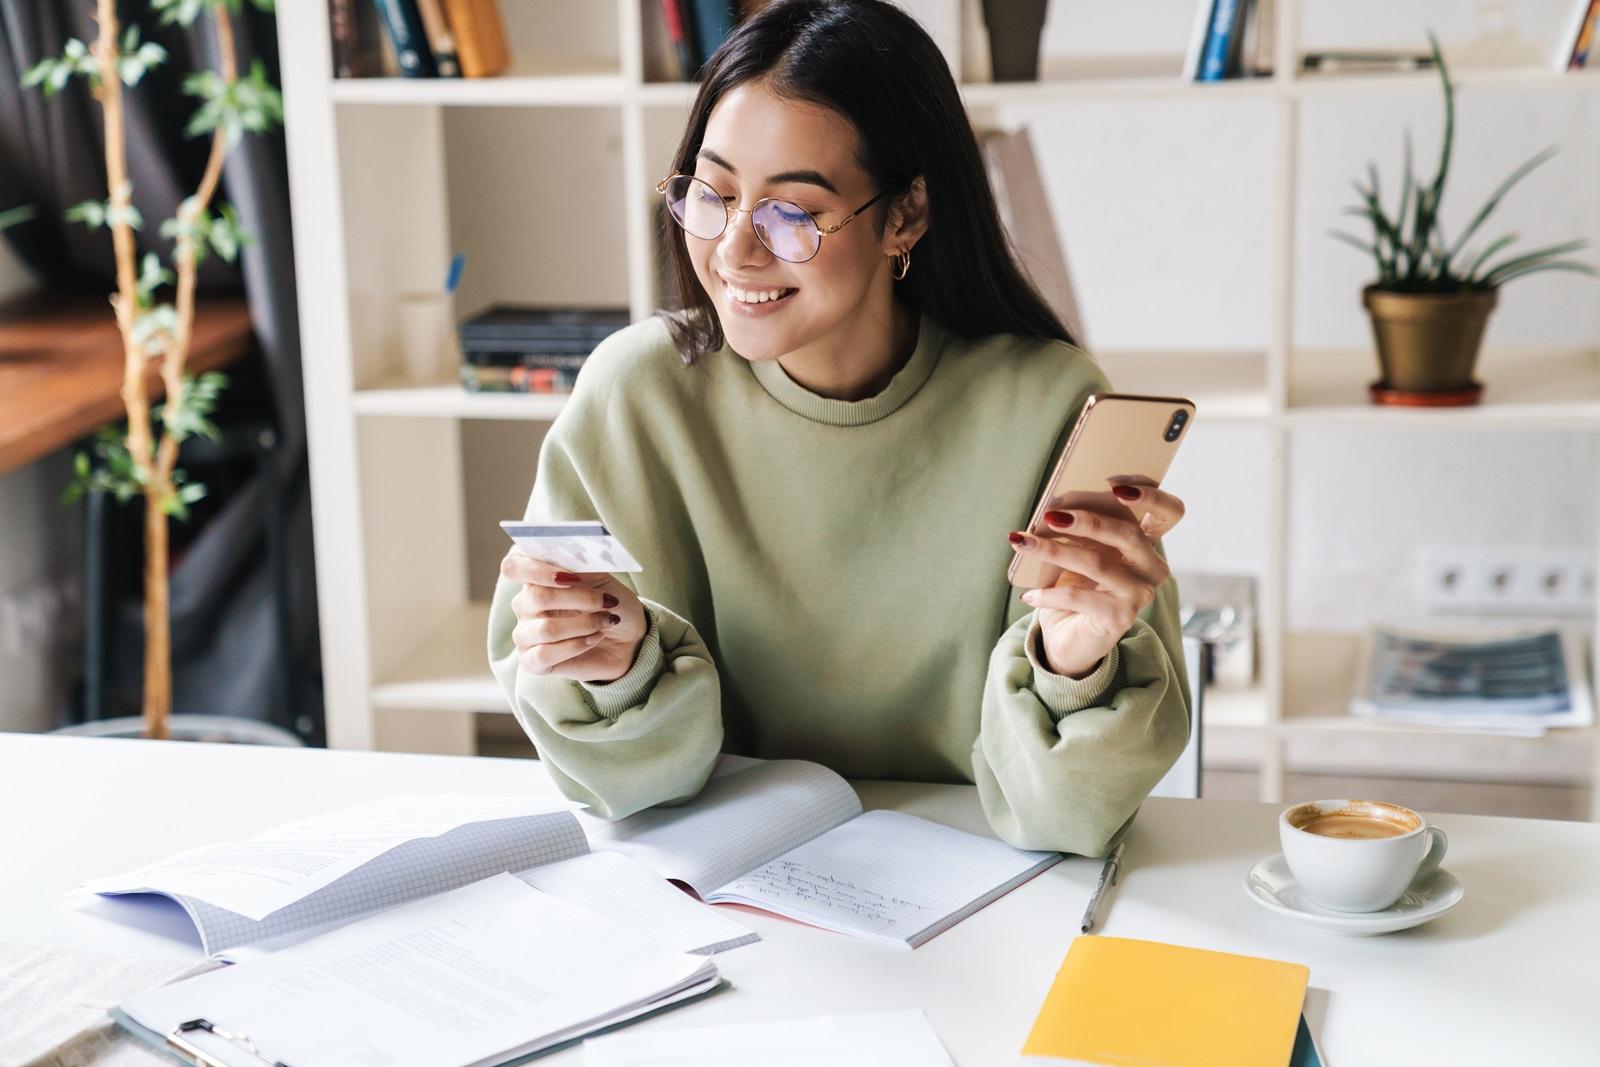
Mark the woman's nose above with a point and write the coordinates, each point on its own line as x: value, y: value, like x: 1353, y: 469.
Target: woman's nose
x: 740, y: 245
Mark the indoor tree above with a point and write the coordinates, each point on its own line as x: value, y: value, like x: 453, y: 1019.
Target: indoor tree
x: 154, y: 300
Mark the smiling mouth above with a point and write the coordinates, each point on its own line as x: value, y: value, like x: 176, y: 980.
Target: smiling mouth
x: 757, y: 297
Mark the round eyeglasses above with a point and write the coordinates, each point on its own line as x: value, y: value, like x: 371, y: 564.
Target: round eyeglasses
x: 787, y: 230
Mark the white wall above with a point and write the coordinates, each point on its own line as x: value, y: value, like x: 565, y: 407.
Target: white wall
x: 1164, y: 209
x: 38, y: 544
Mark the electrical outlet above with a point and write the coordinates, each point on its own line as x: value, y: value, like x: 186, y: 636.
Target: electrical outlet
x: 1508, y: 581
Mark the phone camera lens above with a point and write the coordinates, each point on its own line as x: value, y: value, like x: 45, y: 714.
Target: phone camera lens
x: 1175, y: 427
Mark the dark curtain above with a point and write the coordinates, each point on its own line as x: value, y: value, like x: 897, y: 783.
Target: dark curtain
x: 226, y: 651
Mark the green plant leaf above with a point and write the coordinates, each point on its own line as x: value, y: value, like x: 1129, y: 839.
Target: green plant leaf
x: 154, y: 330
x: 197, y: 400
x: 1562, y: 265
x: 244, y: 105
x: 1549, y: 252
x: 1471, y: 273
x: 1495, y: 198
x: 20, y: 213
x: 92, y: 213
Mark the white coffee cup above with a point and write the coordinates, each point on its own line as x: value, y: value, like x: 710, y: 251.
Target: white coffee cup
x: 1358, y: 855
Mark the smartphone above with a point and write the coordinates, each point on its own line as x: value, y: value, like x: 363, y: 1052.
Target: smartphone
x: 1118, y: 439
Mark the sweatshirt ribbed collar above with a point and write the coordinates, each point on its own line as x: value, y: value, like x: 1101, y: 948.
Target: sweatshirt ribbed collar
x: 905, y: 384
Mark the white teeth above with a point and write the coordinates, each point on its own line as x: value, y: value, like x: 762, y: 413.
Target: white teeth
x: 755, y: 296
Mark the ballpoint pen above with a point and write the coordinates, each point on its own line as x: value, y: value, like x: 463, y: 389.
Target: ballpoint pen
x: 1110, y: 875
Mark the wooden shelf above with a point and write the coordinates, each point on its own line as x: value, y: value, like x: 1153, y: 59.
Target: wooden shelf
x: 448, y: 400
x: 61, y: 366
x: 1527, y: 387
x: 447, y: 671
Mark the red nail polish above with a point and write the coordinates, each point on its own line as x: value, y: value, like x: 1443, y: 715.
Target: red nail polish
x: 1127, y: 492
x: 1058, y: 518
x: 614, y: 620
x: 608, y: 601
x: 1018, y: 539
x: 563, y: 578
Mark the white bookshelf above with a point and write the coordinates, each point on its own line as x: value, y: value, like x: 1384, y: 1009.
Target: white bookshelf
x: 547, y: 171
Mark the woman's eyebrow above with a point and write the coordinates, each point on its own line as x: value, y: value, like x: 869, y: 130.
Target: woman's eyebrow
x: 809, y: 177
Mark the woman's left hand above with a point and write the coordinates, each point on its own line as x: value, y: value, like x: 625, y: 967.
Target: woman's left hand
x: 1112, y: 571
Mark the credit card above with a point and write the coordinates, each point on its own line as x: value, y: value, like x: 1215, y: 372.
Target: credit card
x: 580, y: 547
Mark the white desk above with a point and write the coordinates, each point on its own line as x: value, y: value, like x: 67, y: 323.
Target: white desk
x: 1510, y: 976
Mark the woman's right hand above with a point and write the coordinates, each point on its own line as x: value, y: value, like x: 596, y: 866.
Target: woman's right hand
x: 587, y: 627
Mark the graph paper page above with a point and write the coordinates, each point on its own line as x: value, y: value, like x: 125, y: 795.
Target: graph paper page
x: 501, y: 840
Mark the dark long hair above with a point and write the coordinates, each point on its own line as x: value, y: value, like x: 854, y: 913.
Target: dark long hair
x: 872, y: 63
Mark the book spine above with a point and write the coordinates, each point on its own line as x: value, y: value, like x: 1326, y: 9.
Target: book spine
x: 1219, y: 41
x: 682, y: 48
x: 480, y: 37
x: 440, y: 40
x: 1248, y: 28
x: 1265, y: 60
x: 1583, y: 47
x: 536, y: 358
x: 713, y: 21
x: 1198, y: 35
x: 517, y: 379
x: 561, y: 341
x: 342, y: 31
x: 405, y: 31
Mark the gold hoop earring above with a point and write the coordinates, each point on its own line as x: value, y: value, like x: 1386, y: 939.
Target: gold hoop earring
x: 901, y: 265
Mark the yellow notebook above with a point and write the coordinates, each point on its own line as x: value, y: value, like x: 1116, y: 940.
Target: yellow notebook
x: 1122, y: 1003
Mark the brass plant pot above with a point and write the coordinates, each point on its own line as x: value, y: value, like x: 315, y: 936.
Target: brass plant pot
x: 1428, y: 342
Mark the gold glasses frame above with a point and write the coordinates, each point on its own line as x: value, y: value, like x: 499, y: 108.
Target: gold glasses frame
x: 729, y: 212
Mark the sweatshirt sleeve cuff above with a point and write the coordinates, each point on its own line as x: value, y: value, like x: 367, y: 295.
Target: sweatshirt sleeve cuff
x: 613, y: 698
x: 1061, y: 694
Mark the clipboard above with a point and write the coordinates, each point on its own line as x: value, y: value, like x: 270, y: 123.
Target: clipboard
x: 181, y: 1046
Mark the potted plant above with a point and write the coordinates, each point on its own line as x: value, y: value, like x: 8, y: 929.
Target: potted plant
x: 139, y: 461
x: 1433, y: 296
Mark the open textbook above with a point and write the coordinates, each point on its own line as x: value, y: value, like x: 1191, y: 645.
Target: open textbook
x: 314, y: 875
x: 487, y: 973
x: 789, y: 837
x: 784, y: 836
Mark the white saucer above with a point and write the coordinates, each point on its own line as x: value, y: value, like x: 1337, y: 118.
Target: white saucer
x: 1270, y: 884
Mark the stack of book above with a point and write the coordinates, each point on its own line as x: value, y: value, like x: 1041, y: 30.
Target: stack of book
x: 1516, y: 681
x: 417, y: 38
x: 514, y: 349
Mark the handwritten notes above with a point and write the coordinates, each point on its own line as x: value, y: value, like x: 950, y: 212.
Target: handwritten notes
x: 886, y: 875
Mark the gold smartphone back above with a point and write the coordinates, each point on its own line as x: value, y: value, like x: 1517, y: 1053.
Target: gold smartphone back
x: 1119, y: 439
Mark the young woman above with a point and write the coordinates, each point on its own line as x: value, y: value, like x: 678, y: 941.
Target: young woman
x: 822, y: 460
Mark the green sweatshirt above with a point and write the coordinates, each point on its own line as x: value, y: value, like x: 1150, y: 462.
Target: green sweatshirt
x: 825, y: 580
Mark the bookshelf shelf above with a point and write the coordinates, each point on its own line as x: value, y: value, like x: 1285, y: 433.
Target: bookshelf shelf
x: 1536, y: 388
x: 404, y: 515
x: 578, y: 89
x: 448, y: 400
x: 1225, y: 386
x: 447, y: 670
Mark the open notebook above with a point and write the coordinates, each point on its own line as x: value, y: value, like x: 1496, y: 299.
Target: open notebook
x: 483, y: 974
x: 314, y: 875
x: 789, y: 837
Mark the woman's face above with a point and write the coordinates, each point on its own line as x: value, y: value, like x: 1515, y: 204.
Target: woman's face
x: 758, y: 144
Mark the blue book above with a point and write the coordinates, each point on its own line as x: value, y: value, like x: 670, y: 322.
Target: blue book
x: 1221, y: 40
x: 713, y: 21
x: 403, y: 23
